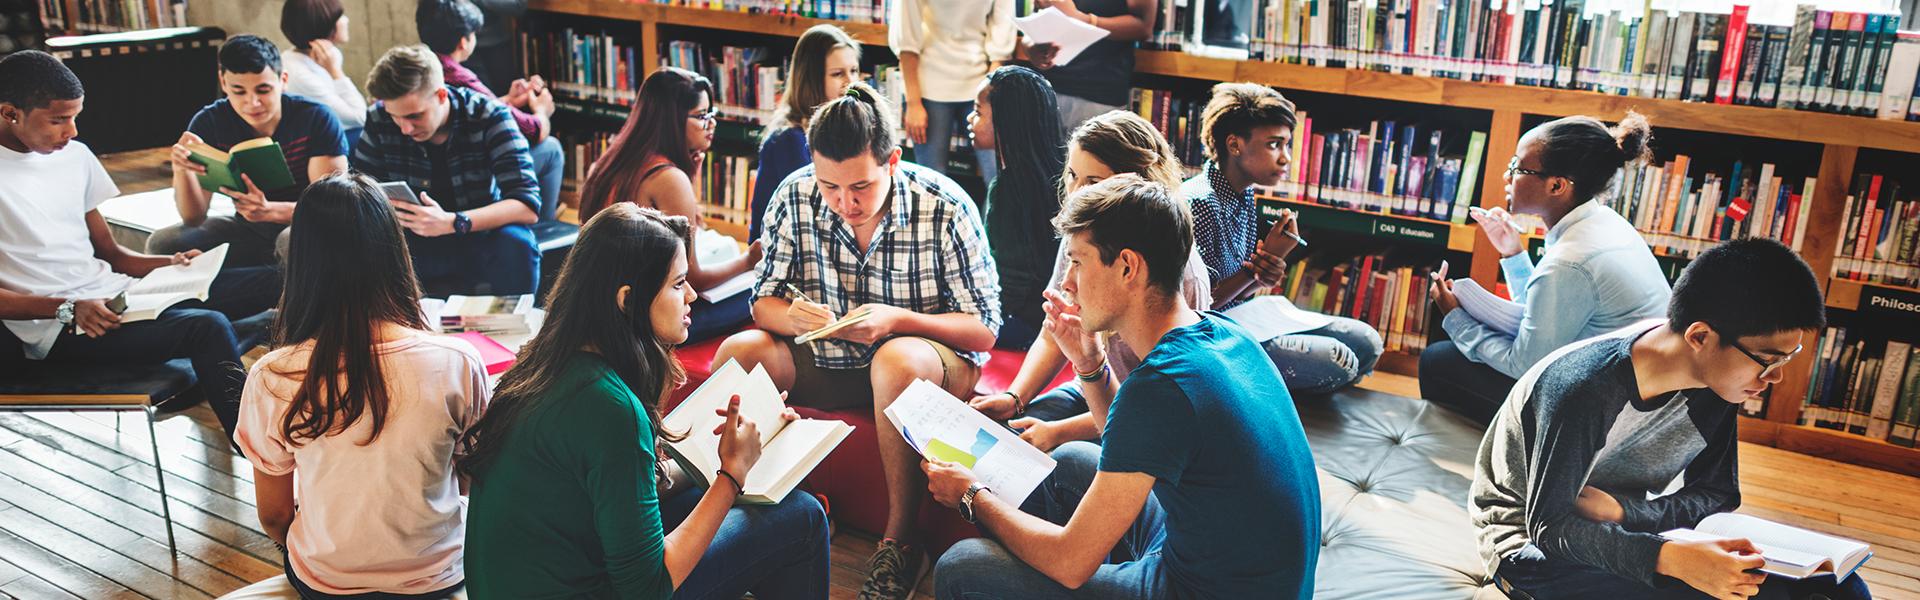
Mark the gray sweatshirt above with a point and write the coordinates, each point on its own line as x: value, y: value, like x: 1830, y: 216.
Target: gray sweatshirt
x: 1576, y: 419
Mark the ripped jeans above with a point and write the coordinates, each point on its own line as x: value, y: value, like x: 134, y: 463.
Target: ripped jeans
x: 1326, y: 359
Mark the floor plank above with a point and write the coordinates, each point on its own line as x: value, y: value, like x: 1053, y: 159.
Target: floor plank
x: 57, y: 570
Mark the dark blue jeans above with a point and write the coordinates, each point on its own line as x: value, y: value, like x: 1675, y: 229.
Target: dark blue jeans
x: 711, y: 320
x: 550, y: 166
x: 982, y: 569
x: 777, y: 552
x: 1016, y: 333
x: 501, y: 262
x: 202, y: 332
x: 1528, y: 574
x: 1472, y: 389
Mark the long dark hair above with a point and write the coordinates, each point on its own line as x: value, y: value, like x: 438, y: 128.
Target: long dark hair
x: 657, y: 126
x: 347, y: 272
x: 624, y: 245
x: 806, y: 76
x: 1031, y: 143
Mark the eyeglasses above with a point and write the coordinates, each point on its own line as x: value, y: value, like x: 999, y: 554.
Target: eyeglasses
x: 707, y: 117
x: 1766, y: 367
x: 1513, y: 167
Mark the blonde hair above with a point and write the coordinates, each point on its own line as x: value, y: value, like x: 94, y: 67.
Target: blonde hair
x: 1126, y: 143
x: 405, y: 70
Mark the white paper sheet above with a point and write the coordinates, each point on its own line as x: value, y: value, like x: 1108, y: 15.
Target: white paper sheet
x: 925, y: 414
x: 1268, y: 317
x: 1051, y: 26
x: 1496, y: 312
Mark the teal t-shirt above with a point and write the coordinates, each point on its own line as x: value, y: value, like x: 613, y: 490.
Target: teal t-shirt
x: 1207, y: 415
x: 569, y: 508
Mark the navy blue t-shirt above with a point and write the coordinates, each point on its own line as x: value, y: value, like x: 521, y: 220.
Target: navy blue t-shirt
x: 307, y: 129
x: 1207, y: 415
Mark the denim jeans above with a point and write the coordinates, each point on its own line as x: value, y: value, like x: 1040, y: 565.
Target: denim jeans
x: 1326, y: 359
x: 944, y: 121
x: 500, y: 262
x: 714, y: 319
x: 1059, y: 403
x: 1474, y: 390
x: 202, y: 332
x: 982, y: 569
x: 550, y: 166
x: 249, y: 244
x: 1016, y: 333
x: 1528, y: 574
x: 777, y: 552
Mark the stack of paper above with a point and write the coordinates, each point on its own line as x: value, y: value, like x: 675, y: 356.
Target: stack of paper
x: 1268, y: 317
x: 1051, y: 26
x: 1499, y: 313
x: 493, y: 315
x: 943, y: 428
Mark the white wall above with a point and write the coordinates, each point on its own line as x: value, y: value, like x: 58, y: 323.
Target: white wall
x: 375, y: 26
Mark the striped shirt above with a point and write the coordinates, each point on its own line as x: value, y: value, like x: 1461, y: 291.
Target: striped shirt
x: 488, y: 158
x: 1226, y: 221
x: 929, y: 256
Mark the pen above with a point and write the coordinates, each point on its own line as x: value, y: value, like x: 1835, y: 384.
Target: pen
x: 797, y: 293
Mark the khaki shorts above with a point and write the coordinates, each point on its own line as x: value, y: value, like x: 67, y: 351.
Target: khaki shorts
x: 835, y: 389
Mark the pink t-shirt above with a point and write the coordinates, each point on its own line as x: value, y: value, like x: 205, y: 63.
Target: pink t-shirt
x: 385, y: 516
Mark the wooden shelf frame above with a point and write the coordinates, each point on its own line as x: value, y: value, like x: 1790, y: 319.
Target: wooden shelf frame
x: 1841, y: 138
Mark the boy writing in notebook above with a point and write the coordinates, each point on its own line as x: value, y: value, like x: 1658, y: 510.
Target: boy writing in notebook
x: 1562, y: 483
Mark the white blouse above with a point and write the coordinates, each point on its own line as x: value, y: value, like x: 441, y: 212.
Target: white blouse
x: 306, y: 78
x: 957, y: 42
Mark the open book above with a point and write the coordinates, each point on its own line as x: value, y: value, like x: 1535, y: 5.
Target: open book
x: 170, y: 285
x: 260, y: 159
x: 1790, y: 551
x: 788, y: 450
x: 1268, y: 317
x: 941, y: 427
x: 1496, y: 312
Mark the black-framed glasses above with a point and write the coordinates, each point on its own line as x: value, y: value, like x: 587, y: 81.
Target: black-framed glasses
x: 1513, y: 167
x: 1766, y: 367
x: 707, y: 117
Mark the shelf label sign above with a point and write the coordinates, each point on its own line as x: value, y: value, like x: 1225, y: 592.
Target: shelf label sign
x: 1883, y: 300
x: 1425, y: 232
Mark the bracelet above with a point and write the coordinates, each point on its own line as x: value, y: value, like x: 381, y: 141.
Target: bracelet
x: 737, y: 488
x: 1019, y: 404
x: 1094, y: 374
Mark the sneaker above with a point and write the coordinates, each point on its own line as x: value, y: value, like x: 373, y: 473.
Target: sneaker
x: 893, y: 571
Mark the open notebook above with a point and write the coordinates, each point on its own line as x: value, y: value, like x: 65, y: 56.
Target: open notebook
x: 1496, y: 312
x: 788, y: 451
x: 941, y: 427
x: 1790, y: 551
x: 170, y: 285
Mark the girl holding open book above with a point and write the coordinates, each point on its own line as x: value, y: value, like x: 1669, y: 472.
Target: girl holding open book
x: 567, y: 483
x: 359, y: 410
x: 653, y: 163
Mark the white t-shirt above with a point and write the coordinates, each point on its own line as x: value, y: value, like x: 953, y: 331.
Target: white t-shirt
x: 44, y: 245
x: 384, y: 516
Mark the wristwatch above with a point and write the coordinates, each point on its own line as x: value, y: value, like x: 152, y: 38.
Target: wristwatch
x: 462, y: 224
x: 64, y: 314
x: 966, y: 501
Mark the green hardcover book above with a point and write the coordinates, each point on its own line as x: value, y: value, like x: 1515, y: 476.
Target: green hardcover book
x: 1470, y: 172
x: 1906, y: 413
x: 259, y: 159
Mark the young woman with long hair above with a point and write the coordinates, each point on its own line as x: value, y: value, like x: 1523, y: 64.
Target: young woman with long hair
x: 653, y: 163
x: 567, y: 478
x: 825, y: 61
x: 1015, y: 116
x: 358, y: 410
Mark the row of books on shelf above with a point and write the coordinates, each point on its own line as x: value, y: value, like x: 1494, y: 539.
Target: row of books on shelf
x: 1683, y: 215
x: 860, y: 11
x: 583, y: 148
x: 108, y: 16
x: 1864, y: 387
x: 747, y: 80
x: 1806, y: 58
x: 1388, y: 294
x: 586, y: 66
x: 1387, y: 168
x: 1177, y: 118
x: 1877, y: 238
x: 726, y: 187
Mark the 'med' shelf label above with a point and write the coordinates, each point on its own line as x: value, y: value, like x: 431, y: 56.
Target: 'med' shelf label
x: 1884, y: 300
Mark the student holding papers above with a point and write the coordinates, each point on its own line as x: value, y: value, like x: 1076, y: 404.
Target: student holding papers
x: 1204, y: 486
x: 1100, y: 79
x: 571, y: 491
x: 1563, y: 483
x: 60, y: 270
x: 890, y: 259
x: 1595, y: 276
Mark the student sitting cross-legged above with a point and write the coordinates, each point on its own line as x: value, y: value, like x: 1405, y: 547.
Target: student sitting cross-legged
x: 359, y: 410
x: 1105, y: 145
x: 451, y: 29
x: 465, y: 157
x: 1561, y: 489
x: 859, y: 231
x: 255, y: 106
x: 654, y: 163
x: 59, y: 265
x: 1204, y: 486
x: 572, y: 497
x: 1247, y: 130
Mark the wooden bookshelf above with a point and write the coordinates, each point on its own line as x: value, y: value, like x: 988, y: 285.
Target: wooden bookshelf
x: 1841, y: 137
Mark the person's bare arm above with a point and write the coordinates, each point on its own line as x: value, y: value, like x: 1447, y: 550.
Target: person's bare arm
x: 273, y: 501
x: 672, y: 192
x: 188, y: 197
x: 119, y: 257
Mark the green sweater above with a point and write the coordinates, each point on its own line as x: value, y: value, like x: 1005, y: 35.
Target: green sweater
x: 569, y: 509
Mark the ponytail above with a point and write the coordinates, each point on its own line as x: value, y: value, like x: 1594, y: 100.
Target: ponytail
x: 1588, y: 153
x: 857, y: 122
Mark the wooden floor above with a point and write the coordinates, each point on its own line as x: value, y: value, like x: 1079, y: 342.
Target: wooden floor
x: 80, y: 514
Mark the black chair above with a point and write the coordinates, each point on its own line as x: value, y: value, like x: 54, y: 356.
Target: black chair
x: 555, y: 239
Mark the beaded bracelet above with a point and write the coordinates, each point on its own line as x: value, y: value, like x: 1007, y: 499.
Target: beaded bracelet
x: 1094, y: 374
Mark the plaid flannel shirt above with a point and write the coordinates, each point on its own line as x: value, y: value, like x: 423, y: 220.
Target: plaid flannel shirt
x: 489, y: 158
x: 929, y: 256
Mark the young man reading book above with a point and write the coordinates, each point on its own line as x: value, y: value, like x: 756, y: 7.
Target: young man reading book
x: 1561, y: 489
x: 450, y: 28
x: 465, y: 156
x: 859, y: 232
x: 60, y: 268
x: 255, y: 106
x: 1203, y: 486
